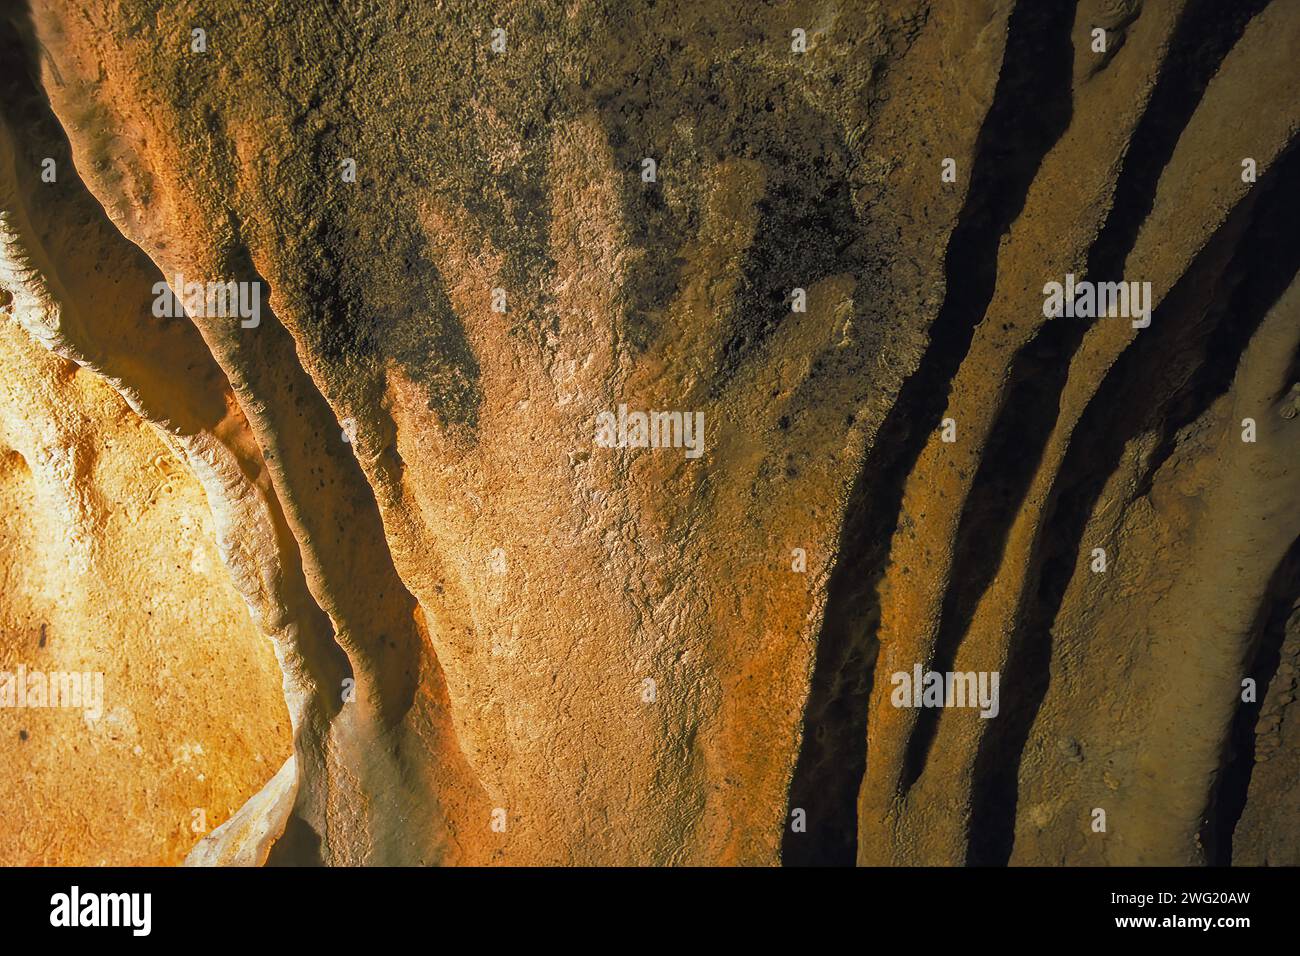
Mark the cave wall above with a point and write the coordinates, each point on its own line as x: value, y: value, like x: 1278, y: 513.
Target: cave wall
x: 500, y: 641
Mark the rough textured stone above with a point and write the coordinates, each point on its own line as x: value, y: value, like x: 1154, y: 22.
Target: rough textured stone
x: 503, y: 643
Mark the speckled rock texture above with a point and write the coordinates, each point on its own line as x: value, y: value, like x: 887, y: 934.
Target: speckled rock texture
x: 367, y: 585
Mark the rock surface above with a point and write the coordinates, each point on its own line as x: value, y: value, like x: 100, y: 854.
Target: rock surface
x: 500, y: 641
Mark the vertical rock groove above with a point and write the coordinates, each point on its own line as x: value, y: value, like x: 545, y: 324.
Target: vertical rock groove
x: 836, y: 719
x: 1203, y: 35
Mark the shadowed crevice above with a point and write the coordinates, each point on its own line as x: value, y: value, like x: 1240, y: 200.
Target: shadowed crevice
x: 1165, y: 379
x: 1018, y: 439
x: 1031, y: 109
x: 1232, y: 785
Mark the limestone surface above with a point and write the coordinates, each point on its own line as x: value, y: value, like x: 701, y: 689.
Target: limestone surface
x: 553, y: 432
